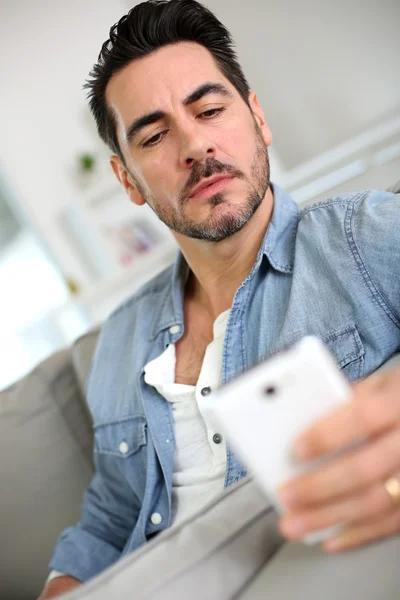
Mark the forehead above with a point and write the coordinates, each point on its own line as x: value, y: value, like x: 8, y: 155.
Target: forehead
x: 157, y: 81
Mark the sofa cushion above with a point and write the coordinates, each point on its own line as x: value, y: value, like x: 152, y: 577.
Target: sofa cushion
x: 231, y: 550
x: 45, y: 466
x: 82, y: 354
x: 395, y: 189
x: 307, y: 573
x: 210, y: 555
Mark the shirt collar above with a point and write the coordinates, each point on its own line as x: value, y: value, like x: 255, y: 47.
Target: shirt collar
x: 169, y: 314
x: 280, y: 238
x: 278, y: 246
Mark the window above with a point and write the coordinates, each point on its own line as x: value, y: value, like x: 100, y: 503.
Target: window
x: 31, y: 290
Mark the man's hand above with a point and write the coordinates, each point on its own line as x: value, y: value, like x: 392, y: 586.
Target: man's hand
x: 351, y: 489
x: 58, y: 586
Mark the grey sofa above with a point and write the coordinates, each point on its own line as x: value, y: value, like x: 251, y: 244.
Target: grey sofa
x: 45, y: 465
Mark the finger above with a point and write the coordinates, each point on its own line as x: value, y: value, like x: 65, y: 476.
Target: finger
x: 365, y: 533
x: 375, y: 408
x: 367, y: 504
x: 375, y: 461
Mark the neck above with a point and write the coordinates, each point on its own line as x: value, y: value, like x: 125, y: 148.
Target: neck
x: 218, y: 269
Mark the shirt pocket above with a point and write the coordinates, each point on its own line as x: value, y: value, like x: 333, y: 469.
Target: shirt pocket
x: 121, y: 438
x: 347, y: 348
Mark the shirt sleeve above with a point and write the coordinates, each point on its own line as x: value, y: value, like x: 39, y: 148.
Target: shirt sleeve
x: 52, y: 575
x: 374, y: 236
x: 109, y: 514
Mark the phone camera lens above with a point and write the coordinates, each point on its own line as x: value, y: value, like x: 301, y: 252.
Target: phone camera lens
x: 270, y: 390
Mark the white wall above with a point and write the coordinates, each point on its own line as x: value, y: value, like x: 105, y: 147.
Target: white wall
x: 325, y: 70
x: 47, y: 48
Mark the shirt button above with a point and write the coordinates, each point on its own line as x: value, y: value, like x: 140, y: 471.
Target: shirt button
x: 205, y: 391
x: 156, y: 518
x: 217, y: 438
x: 123, y: 447
x: 174, y: 329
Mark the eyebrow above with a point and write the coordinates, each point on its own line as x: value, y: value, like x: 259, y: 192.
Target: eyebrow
x: 157, y: 115
x: 204, y: 90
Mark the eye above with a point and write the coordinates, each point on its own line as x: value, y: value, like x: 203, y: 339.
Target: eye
x: 212, y: 112
x: 153, y: 141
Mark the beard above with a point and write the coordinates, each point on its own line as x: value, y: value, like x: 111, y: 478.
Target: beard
x: 220, y: 224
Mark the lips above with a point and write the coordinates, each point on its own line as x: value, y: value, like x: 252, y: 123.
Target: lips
x: 208, y: 182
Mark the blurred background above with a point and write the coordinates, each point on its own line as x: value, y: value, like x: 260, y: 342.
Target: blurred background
x: 71, y: 245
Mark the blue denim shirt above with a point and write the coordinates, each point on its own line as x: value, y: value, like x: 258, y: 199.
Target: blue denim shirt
x: 332, y: 270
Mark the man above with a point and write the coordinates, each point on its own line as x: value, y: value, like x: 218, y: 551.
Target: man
x: 190, y: 140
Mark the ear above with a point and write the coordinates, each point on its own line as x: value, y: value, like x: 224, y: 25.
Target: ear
x: 258, y: 114
x: 125, y: 179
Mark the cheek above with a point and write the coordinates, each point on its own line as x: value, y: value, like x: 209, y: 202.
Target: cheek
x: 161, y: 182
x: 240, y: 145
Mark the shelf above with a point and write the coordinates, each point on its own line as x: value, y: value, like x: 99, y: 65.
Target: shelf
x: 146, y: 264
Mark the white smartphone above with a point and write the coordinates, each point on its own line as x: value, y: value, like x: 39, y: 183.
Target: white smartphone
x: 263, y: 411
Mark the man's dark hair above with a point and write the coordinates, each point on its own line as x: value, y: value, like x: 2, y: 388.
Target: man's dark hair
x: 146, y: 28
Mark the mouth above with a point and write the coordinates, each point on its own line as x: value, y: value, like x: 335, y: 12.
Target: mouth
x: 211, y: 186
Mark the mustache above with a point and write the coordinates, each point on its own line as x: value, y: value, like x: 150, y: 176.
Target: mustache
x: 200, y: 171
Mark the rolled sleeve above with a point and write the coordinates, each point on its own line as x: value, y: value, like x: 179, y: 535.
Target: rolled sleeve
x: 82, y: 555
x: 109, y: 514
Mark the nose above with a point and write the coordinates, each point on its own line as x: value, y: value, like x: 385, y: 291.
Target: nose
x: 196, y: 147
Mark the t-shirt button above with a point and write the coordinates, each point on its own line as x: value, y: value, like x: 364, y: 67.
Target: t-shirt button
x: 156, y: 518
x: 174, y: 329
x: 217, y: 438
x: 205, y: 391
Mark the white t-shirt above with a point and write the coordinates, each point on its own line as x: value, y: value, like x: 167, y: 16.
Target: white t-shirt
x: 200, y: 451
